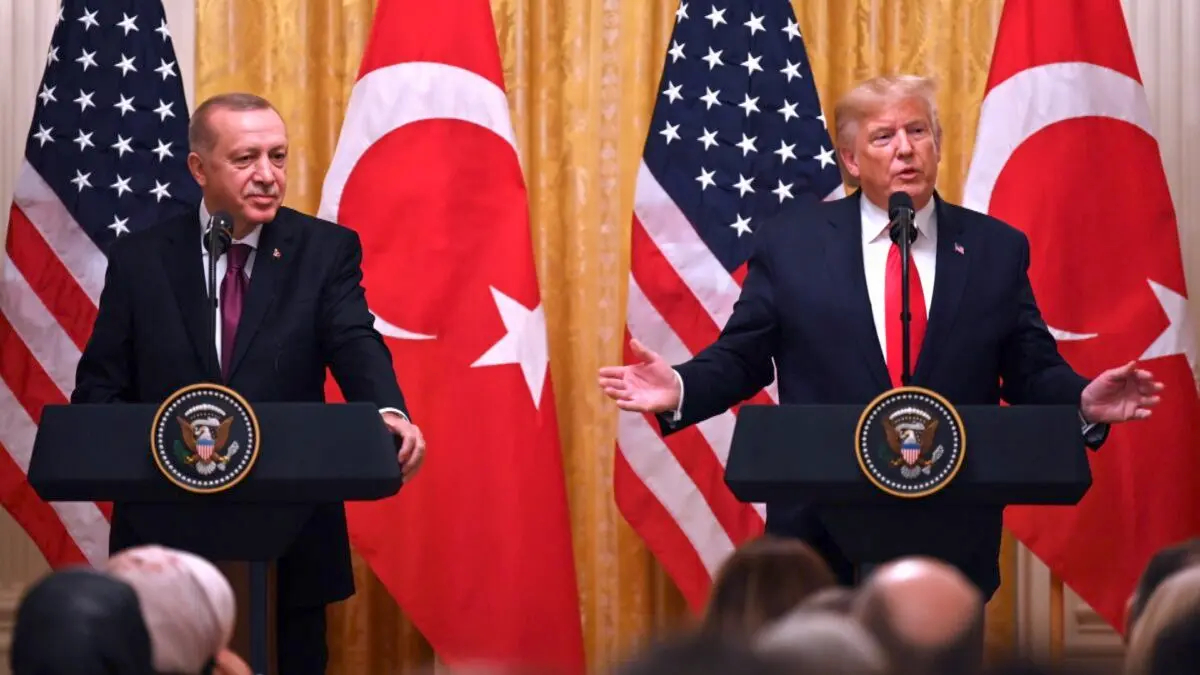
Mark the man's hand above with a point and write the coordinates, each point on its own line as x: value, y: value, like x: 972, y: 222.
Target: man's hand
x: 412, y: 443
x: 649, y: 386
x: 1120, y: 394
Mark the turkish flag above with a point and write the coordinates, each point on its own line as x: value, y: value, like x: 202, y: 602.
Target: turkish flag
x: 1065, y: 152
x: 477, y: 549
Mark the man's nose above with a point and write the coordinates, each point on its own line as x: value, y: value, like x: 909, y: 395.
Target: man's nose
x: 903, y: 146
x: 263, y: 172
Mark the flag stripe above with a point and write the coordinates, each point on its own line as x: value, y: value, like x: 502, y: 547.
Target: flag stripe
x: 22, y: 372
x: 676, y: 240
x: 660, y: 472
x: 706, y: 472
x: 71, y: 245
x: 645, y: 324
x: 661, y: 532
x: 35, y: 516
x: 82, y: 520
x: 44, y: 337
x: 58, y: 290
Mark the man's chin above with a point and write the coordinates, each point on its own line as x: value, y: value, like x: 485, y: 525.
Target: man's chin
x: 260, y: 214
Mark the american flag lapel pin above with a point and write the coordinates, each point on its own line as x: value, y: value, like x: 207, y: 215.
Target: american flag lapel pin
x: 958, y: 248
x: 277, y: 255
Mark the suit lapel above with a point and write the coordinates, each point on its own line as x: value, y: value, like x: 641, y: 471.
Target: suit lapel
x: 845, y: 262
x: 264, y: 278
x: 950, y: 278
x: 187, y: 278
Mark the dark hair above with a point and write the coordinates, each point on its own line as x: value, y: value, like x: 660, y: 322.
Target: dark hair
x: 698, y: 654
x: 80, y: 621
x: 1163, y: 564
x: 762, y: 581
x: 1177, y: 647
x: 200, y: 134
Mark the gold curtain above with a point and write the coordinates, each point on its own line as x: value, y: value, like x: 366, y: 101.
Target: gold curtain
x: 582, y: 79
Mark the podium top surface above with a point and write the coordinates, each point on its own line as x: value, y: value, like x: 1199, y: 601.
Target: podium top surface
x: 307, y: 453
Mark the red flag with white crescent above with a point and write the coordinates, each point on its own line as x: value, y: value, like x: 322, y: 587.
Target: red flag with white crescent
x: 1065, y: 152
x: 477, y: 549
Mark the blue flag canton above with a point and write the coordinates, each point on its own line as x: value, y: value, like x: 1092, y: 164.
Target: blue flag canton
x: 738, y: 133
x: 109, y: 130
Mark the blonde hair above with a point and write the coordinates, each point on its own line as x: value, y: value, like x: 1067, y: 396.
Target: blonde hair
x: 869, y: 96
x: 1174, y: 598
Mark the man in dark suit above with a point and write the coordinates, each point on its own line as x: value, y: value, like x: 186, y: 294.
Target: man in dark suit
x: 291, y: 304
x: 821, y: 304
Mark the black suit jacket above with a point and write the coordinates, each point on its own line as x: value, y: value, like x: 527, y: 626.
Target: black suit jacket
x: 305, y: 310
x: 804, y: 310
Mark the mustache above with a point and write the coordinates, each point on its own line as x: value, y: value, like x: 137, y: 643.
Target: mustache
x: 272, y: 192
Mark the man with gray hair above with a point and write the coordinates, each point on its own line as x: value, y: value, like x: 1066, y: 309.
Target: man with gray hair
x: 819, y: 312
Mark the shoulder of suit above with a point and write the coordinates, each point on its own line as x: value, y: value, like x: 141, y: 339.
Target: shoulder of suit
x: 985, y: 226
x: 312, y: 226
x: 150, y: 237
x: 799, y: 215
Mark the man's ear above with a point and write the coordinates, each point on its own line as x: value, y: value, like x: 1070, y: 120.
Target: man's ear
x: 196, y: 168
x: 849, y: 161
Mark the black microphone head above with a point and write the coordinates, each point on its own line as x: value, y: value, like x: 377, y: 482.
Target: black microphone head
x: 899, y: 200
x: 900, y: 211
x: 222, y: 224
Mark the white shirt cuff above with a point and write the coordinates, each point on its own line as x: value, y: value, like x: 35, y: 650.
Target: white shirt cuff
x: 678, y: 414
x: 394, y: 410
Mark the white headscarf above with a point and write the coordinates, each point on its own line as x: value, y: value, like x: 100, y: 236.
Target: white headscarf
x: 187, y: 604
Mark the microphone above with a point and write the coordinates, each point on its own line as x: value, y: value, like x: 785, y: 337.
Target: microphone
x: 903, y: 233
x: 217, y: 239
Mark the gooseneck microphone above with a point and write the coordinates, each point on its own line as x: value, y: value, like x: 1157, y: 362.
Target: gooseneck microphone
x: 217, y: 239
x: 903, y: 233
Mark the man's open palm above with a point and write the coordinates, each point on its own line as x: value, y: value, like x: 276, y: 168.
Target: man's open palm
x: 647, y: 386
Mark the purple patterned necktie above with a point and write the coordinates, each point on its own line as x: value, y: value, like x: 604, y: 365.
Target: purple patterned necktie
x: 233, y: 291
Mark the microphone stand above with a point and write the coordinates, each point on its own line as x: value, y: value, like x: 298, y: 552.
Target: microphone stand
x: 906, y: 225
x: 212, y: 280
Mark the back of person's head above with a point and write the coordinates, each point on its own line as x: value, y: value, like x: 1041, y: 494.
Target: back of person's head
x: 1163, y: 564
x: 700, y: 654
x: 763, y: 580
x: 80, y: 622
x: 927, y: 616
x: 1174, y: 598
x: 822, y: 643
x: 1176, y: 650
x: 836, y: 599
x: 188, y: 605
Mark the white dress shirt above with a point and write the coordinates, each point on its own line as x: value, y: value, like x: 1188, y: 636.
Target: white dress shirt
x: 250, y: 240
x: 877, y: 244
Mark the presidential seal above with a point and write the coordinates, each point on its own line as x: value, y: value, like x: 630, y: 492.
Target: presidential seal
x: 910, y: 442
x: 205, y: 438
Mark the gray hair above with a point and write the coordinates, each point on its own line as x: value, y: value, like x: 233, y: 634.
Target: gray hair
x: 823, y: 642
x: 200, y: 134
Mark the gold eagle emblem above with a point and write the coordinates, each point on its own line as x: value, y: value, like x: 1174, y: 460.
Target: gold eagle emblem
x: 204, y: 441
x: 897, y: 439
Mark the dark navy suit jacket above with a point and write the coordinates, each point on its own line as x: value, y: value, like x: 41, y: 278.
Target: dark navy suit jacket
x: 804, y: 310
x: 305, y: 310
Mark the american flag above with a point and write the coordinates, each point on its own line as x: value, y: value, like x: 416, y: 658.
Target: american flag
x: 106, y: 156
x: 737, y: 136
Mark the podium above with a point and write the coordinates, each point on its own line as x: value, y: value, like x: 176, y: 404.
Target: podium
x: 310, y: 454
x: 1033, y: 455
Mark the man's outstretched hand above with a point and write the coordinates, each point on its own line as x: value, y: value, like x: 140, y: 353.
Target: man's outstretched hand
x: 647, y: 386
x: 1120, y: 394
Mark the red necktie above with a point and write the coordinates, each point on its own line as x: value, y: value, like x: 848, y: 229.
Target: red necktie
x: 892, y: 307
x: 233, y: 291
